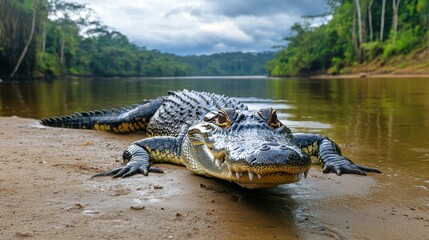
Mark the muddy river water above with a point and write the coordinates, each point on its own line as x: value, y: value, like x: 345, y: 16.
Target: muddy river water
x: 381, y: 123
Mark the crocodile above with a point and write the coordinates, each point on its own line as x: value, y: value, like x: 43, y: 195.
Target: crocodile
x: 213, y: 136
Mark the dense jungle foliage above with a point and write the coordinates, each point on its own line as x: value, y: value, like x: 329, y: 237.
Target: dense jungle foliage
x: 51, y: 38
x: 360, y: 32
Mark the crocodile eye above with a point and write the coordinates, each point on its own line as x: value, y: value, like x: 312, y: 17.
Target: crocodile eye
x: 270, y: 116
x: 222, y: 119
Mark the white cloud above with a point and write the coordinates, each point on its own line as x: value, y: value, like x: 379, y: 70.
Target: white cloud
x: 227, y: 30
x: 203, y: 26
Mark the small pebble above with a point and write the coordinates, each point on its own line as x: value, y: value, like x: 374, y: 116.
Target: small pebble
x: 137, y: 207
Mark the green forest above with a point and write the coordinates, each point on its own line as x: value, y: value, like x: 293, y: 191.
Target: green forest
x: 40, y: 38
x: 54, y: 38
x: 224, y: 64
x: 382, y: 36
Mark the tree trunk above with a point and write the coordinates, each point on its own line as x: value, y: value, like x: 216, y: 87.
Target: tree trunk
x: 383, y: 7
x: 43, y: 48
x: 359, y: 18
x: 371, y: 33
x: 395, y: 18
x: 354, y: 40
x: 30, y: 39
x: 360, y: 32
x: 62, y: 45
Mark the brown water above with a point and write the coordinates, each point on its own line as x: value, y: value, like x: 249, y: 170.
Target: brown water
x: 382, y: 123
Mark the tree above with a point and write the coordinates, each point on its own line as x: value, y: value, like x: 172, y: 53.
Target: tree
x: 423, y: 8
x: 395, y: 18
x: 359, y: 15
x: 19, y: 29
x: 30, y: 38
x: 360, y: 29
x: 371, y: 32
x: 383, y: 7
x: 69, y: 26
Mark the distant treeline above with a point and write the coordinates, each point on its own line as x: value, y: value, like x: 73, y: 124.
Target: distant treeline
x: 227, y: 64
x: 52, y: 38
x: 360, y: 32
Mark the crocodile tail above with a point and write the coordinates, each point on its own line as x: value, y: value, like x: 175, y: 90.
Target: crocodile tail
x: 126, y: 119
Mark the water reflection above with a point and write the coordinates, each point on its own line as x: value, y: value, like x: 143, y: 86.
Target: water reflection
x: 282, y: 112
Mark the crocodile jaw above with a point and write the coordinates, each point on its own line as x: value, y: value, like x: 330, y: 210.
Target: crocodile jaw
x: 206, y: 159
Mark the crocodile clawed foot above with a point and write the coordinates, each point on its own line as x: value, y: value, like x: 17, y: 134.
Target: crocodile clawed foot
x: 345, y: 166
x: 129, y: 170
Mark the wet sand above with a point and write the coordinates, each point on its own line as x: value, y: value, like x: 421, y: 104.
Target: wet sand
x: 46, y: 193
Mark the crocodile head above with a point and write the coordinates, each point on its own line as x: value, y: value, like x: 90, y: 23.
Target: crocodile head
x: 251, y: 148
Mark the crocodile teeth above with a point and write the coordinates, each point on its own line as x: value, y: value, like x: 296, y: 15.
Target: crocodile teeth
x: 300, y: 176
x: 251, y: 175
x: 238, y: 175
x: 218, y: 163
x: 259, y: 176
x: 230, y: 174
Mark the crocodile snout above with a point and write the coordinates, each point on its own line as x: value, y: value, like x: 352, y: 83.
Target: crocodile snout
x: 274, y: 154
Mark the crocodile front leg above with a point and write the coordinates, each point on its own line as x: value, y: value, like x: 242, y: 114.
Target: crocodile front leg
x: 329, y: 155
x: 141, y: 155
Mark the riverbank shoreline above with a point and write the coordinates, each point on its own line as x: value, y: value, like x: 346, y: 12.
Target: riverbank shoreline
x: 370, y: 75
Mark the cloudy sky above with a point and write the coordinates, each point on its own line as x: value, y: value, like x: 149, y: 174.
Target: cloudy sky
x: 186, y: 27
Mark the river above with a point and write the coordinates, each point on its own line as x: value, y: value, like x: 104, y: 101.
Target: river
x: 382, y: 123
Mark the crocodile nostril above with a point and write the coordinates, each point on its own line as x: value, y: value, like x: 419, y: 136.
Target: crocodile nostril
x: 283, y: 147
x: 265, y: 148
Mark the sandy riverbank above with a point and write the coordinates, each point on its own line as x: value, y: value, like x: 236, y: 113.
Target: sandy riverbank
x: 46, y: 193
x: 371, y: 75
